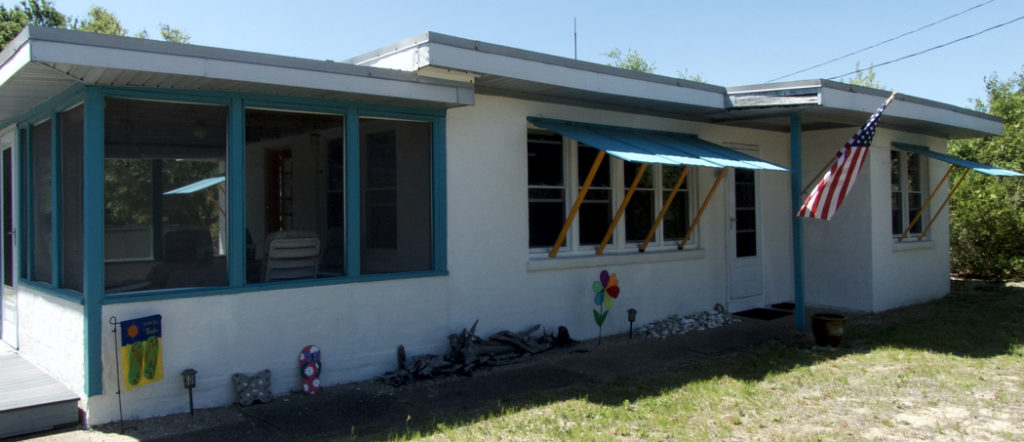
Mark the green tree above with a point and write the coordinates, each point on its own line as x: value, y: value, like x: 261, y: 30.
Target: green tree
x: 631, y: 60
x: 100, y: 21
x: 865, y: 77
x: 987, y: 213
x: 174, y: 35
x: 28, y: 12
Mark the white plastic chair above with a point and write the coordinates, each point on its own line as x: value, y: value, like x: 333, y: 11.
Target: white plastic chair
x: 291, y: 255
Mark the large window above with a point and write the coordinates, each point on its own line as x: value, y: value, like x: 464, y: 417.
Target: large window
x: 42, y: 207
x: 294, y: 185
x: 164, y: 194
x: 71, y: 150
x: 311, y: 210
x: 395, y: 195
x: 552, y: 160
x: 907, y: 185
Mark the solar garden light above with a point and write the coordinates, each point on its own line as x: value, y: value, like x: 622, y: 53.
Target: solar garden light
x: 189, y: 377
x: 632, y: 317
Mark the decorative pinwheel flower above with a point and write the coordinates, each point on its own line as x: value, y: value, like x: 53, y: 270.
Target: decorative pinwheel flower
x: 605, y: 292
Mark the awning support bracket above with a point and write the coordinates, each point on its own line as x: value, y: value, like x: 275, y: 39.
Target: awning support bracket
x: 664, y: 207
x: 943, y: 205
x: 622, y: 207
x: 703, y: 206
x: 925, y: 205
x: 576, y: 205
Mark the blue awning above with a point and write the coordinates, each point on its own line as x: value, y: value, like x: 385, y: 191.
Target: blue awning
x: 647, y: 146
x: 977, y: 167
x: 196, y: 186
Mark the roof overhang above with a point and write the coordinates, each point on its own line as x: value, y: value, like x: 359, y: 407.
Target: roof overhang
x: 824, y: 104
x: 40, y: 62
x: 506, y: 71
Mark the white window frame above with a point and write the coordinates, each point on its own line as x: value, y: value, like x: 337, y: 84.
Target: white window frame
x: 618, y: 244
x: 906, y: 213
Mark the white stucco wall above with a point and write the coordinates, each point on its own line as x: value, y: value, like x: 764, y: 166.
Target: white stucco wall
x: 51, y: 334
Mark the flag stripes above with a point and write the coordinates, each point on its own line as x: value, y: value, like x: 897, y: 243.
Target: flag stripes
x: 828, y: 195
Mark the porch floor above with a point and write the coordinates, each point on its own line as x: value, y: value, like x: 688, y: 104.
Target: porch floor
x: 30, y: 399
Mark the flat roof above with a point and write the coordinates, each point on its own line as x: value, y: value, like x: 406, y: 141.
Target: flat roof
x: 435, y: 70
x: 822, y: 104
x: 41, y: 61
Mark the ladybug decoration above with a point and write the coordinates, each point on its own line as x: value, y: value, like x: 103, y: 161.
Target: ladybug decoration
x: 309, y: 368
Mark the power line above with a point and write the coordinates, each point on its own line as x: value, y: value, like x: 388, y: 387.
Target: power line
x: 884, y: 42
x: 931, y: 48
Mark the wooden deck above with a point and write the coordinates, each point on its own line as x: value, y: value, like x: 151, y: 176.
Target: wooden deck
x: 31, y: 400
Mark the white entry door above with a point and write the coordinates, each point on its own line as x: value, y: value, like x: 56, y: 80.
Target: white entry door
x: 746, y: 271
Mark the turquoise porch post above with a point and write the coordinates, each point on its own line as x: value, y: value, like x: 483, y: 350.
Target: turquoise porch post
x: 796, y: 186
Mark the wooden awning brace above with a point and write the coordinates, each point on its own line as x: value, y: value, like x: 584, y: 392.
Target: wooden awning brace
x: 646, y: 147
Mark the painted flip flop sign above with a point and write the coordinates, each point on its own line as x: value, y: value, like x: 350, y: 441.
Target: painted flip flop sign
x: 140, y: 351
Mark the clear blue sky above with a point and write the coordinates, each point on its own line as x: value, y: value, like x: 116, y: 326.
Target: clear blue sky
x: 728, y: 42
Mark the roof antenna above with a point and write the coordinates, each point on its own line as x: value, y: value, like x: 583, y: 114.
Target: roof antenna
x: 575, y: 54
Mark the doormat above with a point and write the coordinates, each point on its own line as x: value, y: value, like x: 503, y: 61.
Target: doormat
x: 762, y: 313
x: 784, y: 306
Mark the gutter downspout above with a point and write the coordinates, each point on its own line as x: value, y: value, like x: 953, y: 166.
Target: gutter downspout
x: 795, y: 186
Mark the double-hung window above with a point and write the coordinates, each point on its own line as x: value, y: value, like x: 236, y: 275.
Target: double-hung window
x: 555, y: 162
x: 907, y: 183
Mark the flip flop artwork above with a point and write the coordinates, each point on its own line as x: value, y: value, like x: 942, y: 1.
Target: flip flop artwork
x: 606, y: 290
x: 140, y: 351
x: 309, y: 368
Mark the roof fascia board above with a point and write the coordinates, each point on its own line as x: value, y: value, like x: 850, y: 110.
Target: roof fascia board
x: 443, y: 51
x: 561, y: 75
x: 909, y: 107
x: 111, y: 52
x: 14, y: 61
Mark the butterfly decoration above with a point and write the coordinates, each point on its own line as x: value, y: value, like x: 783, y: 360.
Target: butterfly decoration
x: 606, y: 290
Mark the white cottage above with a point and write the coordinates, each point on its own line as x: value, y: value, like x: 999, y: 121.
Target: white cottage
x: 260, y: 203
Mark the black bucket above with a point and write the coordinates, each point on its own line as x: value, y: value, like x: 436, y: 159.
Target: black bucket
x: 828, y: 328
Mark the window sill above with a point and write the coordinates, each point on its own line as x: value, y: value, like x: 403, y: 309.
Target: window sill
x: 542, y: 262
x: 907, y: 246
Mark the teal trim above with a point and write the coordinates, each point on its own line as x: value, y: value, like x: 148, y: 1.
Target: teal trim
x: 46, y: 289
x: 353, y: 230
x: 795, y: 188
x: 236, y: 193
x: 92, y: 244
x: 440, y: 193
x: 56, y: 257
x: 261, y: 287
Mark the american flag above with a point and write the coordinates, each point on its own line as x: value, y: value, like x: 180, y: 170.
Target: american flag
x: 830, y: 192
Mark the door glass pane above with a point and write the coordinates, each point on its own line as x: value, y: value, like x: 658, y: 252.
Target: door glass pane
x: 746, y: 213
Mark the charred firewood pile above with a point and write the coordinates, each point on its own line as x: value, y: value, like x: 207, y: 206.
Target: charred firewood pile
x: 468, y: 352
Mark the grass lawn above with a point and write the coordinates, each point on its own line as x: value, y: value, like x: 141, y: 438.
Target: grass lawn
x: 950, y: 369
